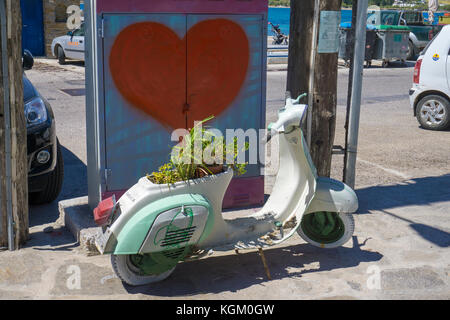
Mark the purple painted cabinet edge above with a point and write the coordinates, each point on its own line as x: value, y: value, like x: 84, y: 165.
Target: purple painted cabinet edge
x: 184, y: 6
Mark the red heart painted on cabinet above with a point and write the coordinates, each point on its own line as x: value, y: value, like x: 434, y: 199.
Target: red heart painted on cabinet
x: 179, y: 81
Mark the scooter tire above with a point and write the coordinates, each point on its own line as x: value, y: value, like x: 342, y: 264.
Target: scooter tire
x: 347, y: 223
x: 131, y: 275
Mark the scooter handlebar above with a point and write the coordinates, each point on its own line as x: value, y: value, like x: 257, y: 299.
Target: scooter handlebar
x: 290, y: 116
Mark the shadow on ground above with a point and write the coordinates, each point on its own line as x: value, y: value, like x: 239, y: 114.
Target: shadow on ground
x: 75, y: 63
x: 419, y: 191
x: 415, y: 192
x: 434, y: 131
x: 74, y: 185
x: 239, y: 271
x: 395, y: 65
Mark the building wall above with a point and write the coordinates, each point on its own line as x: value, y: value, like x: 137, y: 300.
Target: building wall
x: 55, y: 19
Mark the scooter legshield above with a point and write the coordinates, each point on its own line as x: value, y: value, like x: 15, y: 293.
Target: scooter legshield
x: 166, y: 225
x: 333, y: 196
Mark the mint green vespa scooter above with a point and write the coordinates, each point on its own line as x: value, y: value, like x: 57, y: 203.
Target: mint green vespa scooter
x: 153, y: 227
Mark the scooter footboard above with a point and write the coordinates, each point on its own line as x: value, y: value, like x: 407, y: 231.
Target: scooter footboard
x: 169, y: 223
x: 333, y: 196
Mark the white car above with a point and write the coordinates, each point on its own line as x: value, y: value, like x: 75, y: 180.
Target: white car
x: 430, y: 94
x: 70, y: 46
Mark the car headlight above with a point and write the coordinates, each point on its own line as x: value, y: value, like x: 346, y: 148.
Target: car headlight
x: 35, y: 112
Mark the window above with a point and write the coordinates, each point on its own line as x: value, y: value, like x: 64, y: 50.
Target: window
x: 79, y: 32
x: 60, y: 13
x: 389, y: 18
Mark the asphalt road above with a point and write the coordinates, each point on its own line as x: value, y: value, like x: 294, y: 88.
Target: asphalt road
x: 390, y: 139
x: 400, y: 246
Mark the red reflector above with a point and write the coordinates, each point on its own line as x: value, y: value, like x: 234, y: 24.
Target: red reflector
x: 416, y: 78
x: 104, y: 210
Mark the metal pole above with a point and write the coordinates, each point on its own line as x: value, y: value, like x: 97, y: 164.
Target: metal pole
x: 2, y: 23
x: 360, y: 46
x: 92, y: 103
x: 7, y: 119
x: 311, y: 73
x: 350, y: 83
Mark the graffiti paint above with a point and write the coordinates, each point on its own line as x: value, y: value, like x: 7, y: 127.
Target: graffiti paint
x: 179, y: 81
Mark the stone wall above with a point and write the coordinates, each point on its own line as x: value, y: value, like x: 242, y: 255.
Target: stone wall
x: 55, y: 19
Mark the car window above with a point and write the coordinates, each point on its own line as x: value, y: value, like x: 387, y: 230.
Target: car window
x: 413, y: 18
x: 384, y: 18
x: 79, y: 32
x: 389, y: 18
x: 429, y: 44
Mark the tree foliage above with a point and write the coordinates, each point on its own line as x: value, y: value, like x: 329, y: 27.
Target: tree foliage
x: 284, y: 3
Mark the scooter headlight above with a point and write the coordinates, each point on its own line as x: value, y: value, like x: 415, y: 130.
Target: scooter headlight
x: 35, y: 112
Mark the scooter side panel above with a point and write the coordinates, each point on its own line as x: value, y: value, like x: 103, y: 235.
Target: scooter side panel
x: 176, y: 228
x: 132, y: 236
x: 333, y: 196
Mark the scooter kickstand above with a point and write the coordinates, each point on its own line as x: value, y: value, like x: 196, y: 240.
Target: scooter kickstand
x: 263, y: 258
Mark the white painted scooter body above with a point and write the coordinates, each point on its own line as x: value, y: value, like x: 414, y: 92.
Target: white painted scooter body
x: 297, y: 191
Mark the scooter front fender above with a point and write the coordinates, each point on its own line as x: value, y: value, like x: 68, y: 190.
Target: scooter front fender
x: 133, y: 235
x: 333, y: 196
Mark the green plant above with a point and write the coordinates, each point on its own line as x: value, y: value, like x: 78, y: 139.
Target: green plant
x: 285, y: 3
x: 188, y: 159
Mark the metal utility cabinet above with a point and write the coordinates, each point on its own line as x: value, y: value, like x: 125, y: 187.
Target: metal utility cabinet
x: 153, y: 66
x: 392, y: 43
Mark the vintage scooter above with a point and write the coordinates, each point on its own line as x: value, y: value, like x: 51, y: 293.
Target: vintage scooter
x: 153, y: 227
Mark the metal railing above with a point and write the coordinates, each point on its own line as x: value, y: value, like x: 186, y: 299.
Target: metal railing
x: 277, y: 51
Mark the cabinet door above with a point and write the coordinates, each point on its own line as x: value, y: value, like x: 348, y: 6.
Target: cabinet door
x: 144, y: 92
x: 224, y: 73
x: 165, y: 71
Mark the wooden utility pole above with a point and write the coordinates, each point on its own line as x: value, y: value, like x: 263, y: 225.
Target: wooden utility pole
x: 13, y: 137
x: 324, y: 93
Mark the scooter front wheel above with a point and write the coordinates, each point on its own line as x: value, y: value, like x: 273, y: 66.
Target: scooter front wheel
x: 326, y: 229
x: 138, y: 270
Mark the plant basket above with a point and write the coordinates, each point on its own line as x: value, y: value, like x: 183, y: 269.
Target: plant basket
x: 210, y: 170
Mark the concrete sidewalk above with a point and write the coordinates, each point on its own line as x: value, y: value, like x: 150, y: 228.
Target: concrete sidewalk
x: 400, y: 250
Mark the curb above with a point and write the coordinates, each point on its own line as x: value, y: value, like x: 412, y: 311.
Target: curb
x: 76, y: 215
x: 276, y: 67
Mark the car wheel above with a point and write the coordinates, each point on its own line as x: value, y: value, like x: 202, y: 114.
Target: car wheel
x: 411, y: 51
x: 433, y: 112
x: 53, y: 184
x: 61, y: 55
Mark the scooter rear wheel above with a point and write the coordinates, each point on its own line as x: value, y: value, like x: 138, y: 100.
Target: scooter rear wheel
x: 128, y: 269
x: 326, y: 229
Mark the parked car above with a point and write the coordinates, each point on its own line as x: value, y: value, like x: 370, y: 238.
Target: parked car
x: 420, y: 32
x: 45, y: 162
x: 430, y: 94
x: 69, y: 46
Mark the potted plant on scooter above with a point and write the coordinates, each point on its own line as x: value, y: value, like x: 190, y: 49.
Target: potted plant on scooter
x: 200, y: 153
